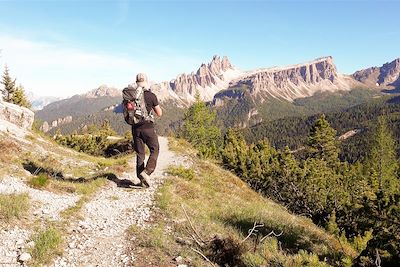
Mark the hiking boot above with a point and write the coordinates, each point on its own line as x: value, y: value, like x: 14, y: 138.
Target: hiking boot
x: 145, y: 178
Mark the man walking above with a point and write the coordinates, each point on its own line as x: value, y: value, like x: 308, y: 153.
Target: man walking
x: 143, y: 132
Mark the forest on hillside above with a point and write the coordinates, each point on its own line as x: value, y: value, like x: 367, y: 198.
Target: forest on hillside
x: 359, y: 202
x: 293, y: 131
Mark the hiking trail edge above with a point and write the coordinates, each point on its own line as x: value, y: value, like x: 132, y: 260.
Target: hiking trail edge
x: 100, y: 238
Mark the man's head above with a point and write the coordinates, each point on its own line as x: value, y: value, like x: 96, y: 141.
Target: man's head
x: 141, y: 80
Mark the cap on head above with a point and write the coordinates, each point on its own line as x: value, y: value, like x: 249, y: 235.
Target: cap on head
x: 141, y: 80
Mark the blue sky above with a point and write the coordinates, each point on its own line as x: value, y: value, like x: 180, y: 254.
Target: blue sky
x: 66, y: 47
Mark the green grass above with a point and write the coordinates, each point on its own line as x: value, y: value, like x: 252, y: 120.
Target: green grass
x: 180, y: 171
x: 39, y: 181
x: 13, y: 206
x: 220, y: 204
x: 47, y: 245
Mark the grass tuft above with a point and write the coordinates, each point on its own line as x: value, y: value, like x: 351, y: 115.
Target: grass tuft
x: 13, y: 206
x: 47, y: 245
x: 153, y: 243
x: 180, y: 171
x: 39, y: 181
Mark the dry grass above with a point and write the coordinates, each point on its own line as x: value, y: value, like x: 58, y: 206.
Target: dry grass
x: 181, y: 146
x: 13, y: 206
x: 9, y: 151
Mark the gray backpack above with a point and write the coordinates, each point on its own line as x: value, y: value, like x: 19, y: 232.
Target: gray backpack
x: 134, y: 106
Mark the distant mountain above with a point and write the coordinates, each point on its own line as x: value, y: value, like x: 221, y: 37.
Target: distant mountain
x: 39, y: 102
x: 241, y: 98
x: 66, y: 111
x: 103, y: 91
x: 386, y: 77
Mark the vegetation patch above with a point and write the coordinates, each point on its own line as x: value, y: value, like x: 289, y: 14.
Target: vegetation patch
x: 47, y: 245
x: 9, y: 151
x: 13, y: 206
x: 181, y: 146
x: 242, y: 229
x: 180, y: 171
x: 39, y: 181
x: 155, y: 245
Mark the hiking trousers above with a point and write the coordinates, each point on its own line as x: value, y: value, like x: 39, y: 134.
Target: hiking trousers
x: 148, y: 137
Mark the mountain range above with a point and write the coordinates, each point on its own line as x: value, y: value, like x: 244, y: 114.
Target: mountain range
x: 241, y: 98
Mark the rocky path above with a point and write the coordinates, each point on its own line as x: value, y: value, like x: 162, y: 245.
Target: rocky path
x: 99, y: 239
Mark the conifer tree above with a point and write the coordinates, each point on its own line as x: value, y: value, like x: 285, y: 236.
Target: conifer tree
x: 106, y: 129
x: 286, y: 179
x: 322, y: 143
x: 199, y: 128
x: 383, y: 166
x: 235, y: 153
x: 9, y: 85
x: 19, y: 98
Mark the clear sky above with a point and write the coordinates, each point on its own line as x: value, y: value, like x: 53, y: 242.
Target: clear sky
x: 61, y: 48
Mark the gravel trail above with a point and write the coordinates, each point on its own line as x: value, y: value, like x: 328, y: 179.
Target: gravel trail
x: 99, y: 239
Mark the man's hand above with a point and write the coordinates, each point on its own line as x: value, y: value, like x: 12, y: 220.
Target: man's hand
x: 157, y: 109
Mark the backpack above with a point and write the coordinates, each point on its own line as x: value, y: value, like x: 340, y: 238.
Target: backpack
x: 134, y: 106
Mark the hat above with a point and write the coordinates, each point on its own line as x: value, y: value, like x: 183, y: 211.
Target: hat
x: 141, y: 80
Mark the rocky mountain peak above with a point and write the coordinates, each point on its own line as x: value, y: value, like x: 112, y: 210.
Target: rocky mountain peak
x: 101, y: 91
x: 387, y: 76
x: 295, y: 81
x: 207, y: 80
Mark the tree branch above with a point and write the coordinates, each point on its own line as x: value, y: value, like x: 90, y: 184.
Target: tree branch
x: 254, y: 229
x: 201, y: 254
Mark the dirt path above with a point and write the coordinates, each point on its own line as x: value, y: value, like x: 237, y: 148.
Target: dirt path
x: 99, y: 239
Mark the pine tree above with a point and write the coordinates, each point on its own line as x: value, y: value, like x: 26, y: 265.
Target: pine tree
x: 235, y: 153
x: 383, y: 166
x: 9, y: 85
x: 19, y: 98
x: 199, y: 128
x: 322, y: 143
x: 286, y: 178
x: 106, y: 129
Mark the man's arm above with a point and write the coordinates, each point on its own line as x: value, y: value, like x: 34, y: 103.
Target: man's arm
x: 157, y: 109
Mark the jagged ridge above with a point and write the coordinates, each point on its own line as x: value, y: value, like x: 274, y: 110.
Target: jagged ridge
x: 387, y: 76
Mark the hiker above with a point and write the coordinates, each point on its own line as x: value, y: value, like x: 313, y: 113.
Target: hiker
x: 139, y: 105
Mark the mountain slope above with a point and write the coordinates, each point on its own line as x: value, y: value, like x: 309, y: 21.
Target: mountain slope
x: 207, y: 210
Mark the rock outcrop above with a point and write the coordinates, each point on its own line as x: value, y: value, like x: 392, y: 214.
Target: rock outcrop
x: 56, y: 123
x: 295, y: 81
x: 387, y: 76
x: 20, y: 116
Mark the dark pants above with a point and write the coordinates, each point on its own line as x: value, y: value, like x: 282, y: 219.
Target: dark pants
x: 149, y: 138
